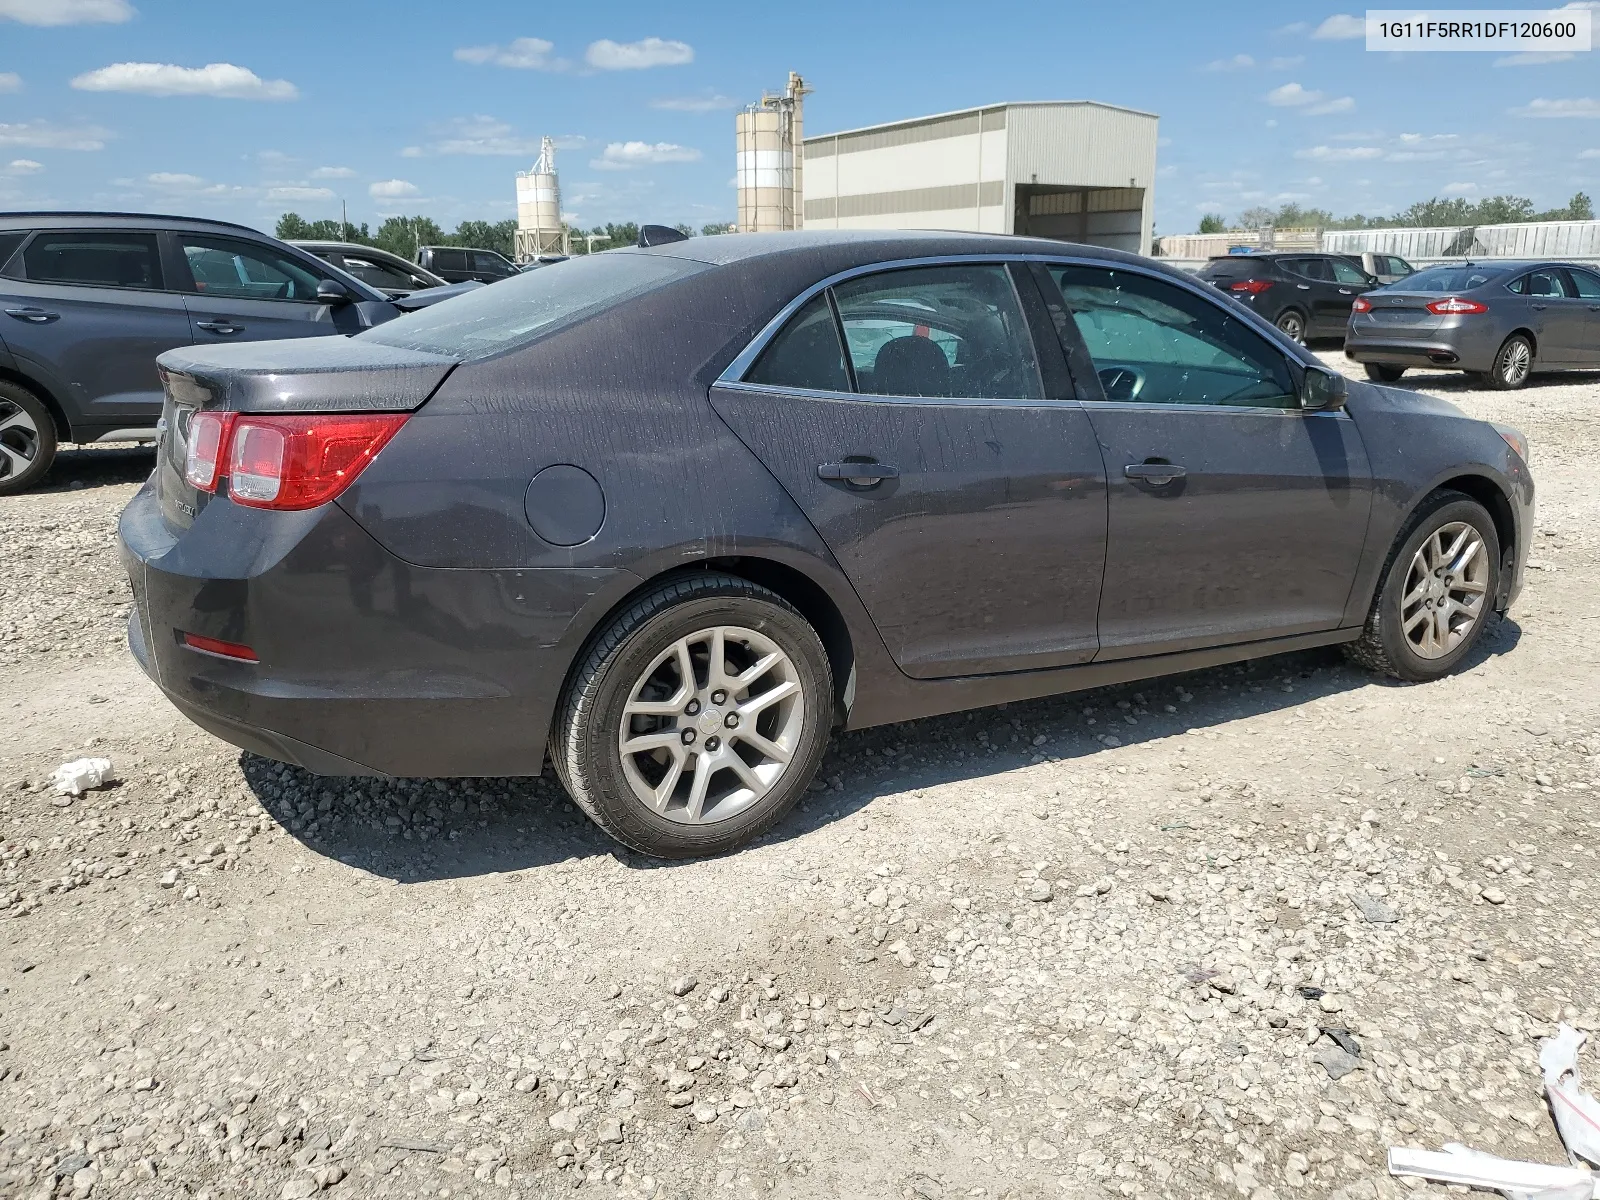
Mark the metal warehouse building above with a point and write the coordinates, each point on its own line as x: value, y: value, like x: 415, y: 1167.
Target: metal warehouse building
x: 1077, y: 170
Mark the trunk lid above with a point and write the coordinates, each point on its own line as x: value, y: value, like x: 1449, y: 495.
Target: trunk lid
x: 301, y: 375
x: 1398, y: 314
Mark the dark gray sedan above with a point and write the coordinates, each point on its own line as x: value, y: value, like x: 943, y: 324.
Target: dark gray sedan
x: 671, y: 515
x: 1500, y: 321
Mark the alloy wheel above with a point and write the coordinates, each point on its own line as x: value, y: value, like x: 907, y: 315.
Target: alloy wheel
x: 1291, y: 324
x: 711, y: 725
x: 19, y: 439
x: 1445, y: 590
x: 1516, y: 360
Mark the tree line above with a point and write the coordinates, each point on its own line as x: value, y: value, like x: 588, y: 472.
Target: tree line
x: 1425, y: 214
x: 402, y: 235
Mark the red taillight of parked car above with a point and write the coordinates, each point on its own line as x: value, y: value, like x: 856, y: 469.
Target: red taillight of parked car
x: 297, y: 462
x: 1453, y: 305
x: 1361, y: 304
x: 208, y: 442
x: 1253, y: 286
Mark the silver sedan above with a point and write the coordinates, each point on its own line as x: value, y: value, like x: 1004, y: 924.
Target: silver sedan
x: 1498, y: 320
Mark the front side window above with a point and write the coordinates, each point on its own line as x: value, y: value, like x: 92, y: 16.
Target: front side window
x: 1156, y: 343
x: 115, y: 260
x: 487, y: 263
x: 806, y: 353
x: 241, y: 270
x: 950, y: 331
x: 1344, y: 272
x: 1588, y: 285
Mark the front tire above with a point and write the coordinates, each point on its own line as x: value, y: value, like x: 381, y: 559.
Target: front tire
x: 1384, y: 373
x: 1292, y: 325
x: 27, y: 439
x: 696, y: 719
x: 1436, y: 595
x: 1513, y: 363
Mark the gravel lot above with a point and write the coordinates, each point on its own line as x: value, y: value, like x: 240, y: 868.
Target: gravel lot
x: 1081, y: 947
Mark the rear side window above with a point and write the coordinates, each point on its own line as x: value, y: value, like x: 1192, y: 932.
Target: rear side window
x: 806, y: 354
x: 9, y: 241
x: 531, y: 304
x: 118, y: 260
x: 1541, y: 283
x: 449, y: 260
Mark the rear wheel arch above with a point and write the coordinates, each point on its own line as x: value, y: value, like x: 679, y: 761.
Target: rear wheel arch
x: 44, y: 396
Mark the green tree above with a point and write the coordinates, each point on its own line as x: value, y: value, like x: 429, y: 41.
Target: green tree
x: 1580, y: 208
x: 1213, y: 223
x: 713, y: 230
x: 499, y: 236
x: 1292, y: 216
x: 402, y: 235
x: 686, y: 230
x: 294, y: 227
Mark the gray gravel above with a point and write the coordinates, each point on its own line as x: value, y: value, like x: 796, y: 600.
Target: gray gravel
x: 1230, y: 934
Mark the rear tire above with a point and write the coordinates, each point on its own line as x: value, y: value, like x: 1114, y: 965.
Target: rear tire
x: 1399, y: 637
x: 27, y: 438
x: 631, y: 687
x: 1513, y: 363
x: 1292, y: 324
x: 1384, y: 373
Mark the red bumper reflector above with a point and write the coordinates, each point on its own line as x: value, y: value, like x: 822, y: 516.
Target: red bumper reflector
x: 220, y: 648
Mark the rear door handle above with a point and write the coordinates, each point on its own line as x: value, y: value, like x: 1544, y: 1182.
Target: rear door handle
x: 858, y: 474
x: 1304, y: 287
x: 1344, y: 291
x: 1155, y: 472
x: 1538, y: 307
x: 220, y: 326
x: 38, y: 316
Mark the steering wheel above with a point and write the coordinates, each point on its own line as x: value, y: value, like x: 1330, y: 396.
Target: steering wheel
x: 1121, y: 383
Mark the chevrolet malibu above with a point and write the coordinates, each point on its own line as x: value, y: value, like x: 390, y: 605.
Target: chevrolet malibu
x: 668, y: 516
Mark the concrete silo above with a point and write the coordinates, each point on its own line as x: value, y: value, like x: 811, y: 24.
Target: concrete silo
x: 769, y: 161
x: 539, y: 228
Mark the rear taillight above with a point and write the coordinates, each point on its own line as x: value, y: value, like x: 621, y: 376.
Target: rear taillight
x: 208, y: 441
x: 296, y: 462
x: 1455, y: 304
x: 1361, y: 304
x: 1253, y: 286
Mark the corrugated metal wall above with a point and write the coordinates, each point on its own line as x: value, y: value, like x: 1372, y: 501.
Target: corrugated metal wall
x: 1084, y: 145
x: 1530, y: 239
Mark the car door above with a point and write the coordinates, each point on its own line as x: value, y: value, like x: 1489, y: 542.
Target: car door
x: 246, y: 291
x: 1586, y: 287
x: 1232, y: 515
x: 962, y: 496
x: 488, y: 267
x: 1327, y: 317
x: 1349, y: 282
x: 86, y: 311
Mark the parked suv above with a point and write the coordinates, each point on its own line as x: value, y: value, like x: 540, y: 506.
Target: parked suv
x: 459, y: 264
x: 1304, y: 295
x: 389, y: 273
x: 87, y: 301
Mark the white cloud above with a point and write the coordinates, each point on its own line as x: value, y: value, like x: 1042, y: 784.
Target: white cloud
x: 1239, y: 62
x: 67, y: 12
x: 1590, y: 154
x: 1312, y: 103
x: 1339, y: 153
x: 174, y: 179
x: 295, y: 194
x: 47, y: 135
x: 606, y: 55
x: 524, y: 54
x: 1459, y: 189
x: 392, y: 189
x: 695, y: 104
x: 23, y: 166
x: 333, y: 173
x: 623, y: 156
x: 1583, y: 106
x: 1533, y: 58
x: 1341, y: 27
x: 10, y: 81
x: 482, y: 135
x: 223, y: 80
x: 1284, y: 63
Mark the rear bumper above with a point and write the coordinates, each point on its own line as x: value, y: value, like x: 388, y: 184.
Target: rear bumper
x: 368, y: 665
x: 1421, y: 353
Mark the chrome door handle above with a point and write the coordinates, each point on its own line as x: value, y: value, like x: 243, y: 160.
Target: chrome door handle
x: 1304, y: 287
x: 220, y: 326
x: 1344, y: 291
x: 858, y: 474
x: 1157, y: 473
x: 37, y: 316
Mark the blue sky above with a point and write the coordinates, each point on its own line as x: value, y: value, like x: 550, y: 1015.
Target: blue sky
x: 242, y: 111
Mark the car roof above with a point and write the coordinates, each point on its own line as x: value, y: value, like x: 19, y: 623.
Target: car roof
x: 63, y: 218
x: 309, y: 243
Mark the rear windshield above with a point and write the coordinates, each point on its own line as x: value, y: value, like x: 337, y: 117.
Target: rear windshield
x: 517, y: 310
x: 1449, y: 279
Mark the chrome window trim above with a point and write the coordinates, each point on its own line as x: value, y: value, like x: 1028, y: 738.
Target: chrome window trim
x: 770, y: 389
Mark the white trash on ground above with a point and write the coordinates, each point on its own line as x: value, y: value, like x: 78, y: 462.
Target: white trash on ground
x: 77, y: 777
x: 1577, y: 1116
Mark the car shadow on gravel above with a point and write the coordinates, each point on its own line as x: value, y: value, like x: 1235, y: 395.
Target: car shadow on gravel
x: 80, y: 467
x: 414, y: 830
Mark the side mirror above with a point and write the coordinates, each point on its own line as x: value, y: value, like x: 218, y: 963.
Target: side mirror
x: 1322, y: 390
x: 331, y: 291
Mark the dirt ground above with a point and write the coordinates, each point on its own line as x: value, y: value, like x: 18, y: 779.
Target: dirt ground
x: 1082, y: 947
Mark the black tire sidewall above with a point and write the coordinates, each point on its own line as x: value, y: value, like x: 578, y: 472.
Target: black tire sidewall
x: 46, y: 425
x: 1294, y: 315
x: 1384, y: 373
x: 596, y: 733
x: 1408, y: 663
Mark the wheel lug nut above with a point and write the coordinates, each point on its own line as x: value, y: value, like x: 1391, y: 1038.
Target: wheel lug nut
x: 712, y: 745
x: 732, y: 721
x: 692, y: 707
x: 718, y: 697
x: 688, y: 737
